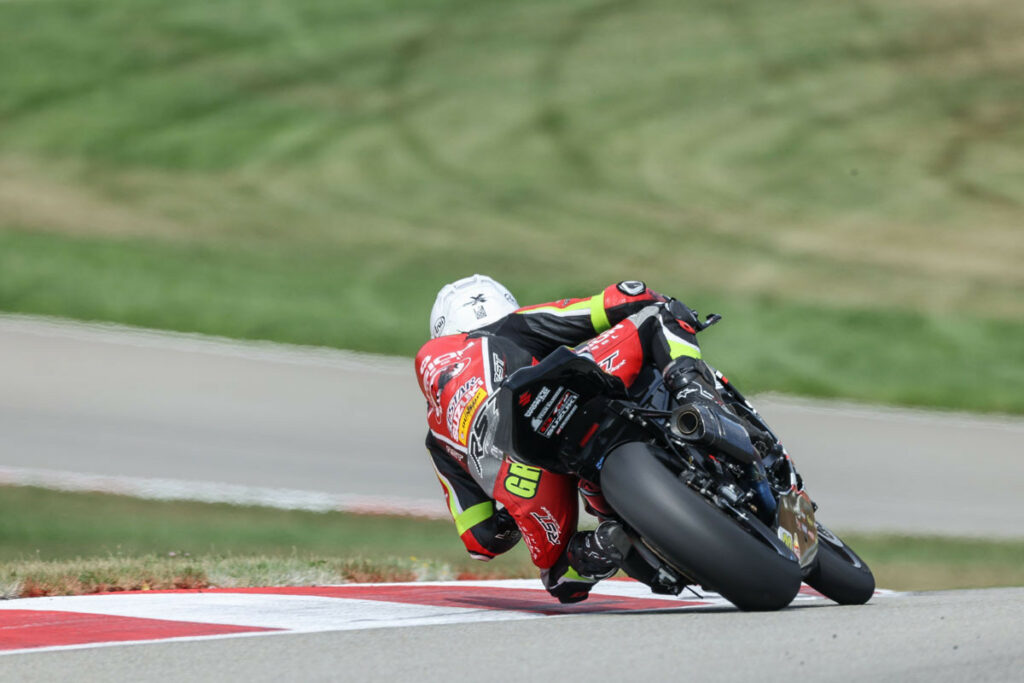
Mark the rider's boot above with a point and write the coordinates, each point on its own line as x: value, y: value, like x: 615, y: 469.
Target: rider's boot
x: 589, y: 557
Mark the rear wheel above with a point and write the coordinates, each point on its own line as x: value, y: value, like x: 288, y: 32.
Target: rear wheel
x: 695, y: 537
x: 840, y: 574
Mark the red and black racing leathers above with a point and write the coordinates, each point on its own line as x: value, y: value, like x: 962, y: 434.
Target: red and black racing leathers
x: 623, y: 327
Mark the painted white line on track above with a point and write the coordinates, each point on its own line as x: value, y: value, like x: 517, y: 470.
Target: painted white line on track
x: 212, y: 492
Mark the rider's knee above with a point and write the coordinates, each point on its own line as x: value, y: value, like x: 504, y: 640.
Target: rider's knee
x: 491, y: 537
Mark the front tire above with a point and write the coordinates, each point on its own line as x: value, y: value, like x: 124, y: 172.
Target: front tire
x: 695, y: 537
x: 840, y: 574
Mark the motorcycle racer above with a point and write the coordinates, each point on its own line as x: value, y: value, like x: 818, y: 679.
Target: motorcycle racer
x: 479, y: 336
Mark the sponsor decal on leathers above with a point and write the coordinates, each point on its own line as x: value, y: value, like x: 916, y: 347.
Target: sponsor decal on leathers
x: 485, y: 459
x: 550, y: 526
x: 450, y: 365
x: 458, y: 403
x: 497, y: 368
x: 467, y: 415
x: 609, y: 365
x: 522, y: 480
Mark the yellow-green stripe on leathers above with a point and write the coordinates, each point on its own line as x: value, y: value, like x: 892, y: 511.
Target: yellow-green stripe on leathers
x: 468, y: 519
x: 678, y: 349
x: 578, y: 306
x: 599, y: 316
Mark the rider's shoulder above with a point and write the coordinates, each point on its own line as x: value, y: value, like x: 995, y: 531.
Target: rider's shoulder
x: 457, y: 344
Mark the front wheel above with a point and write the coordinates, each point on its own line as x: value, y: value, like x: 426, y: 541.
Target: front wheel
x: 694, y: 536
x: 839, y: 573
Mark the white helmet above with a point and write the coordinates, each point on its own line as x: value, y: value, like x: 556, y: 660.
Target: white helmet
x: 469, y: 303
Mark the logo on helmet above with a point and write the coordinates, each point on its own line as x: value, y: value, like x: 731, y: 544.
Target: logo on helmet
x: 439, y: 325
x: 477, y: 301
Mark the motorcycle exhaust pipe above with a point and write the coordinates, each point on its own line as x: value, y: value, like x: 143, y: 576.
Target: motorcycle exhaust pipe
x: 686, y: 422
x: 710, y: 426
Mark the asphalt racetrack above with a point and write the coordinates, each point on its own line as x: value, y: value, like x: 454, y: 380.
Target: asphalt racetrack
x: 189, y: 416
x: 942, y: 636
x: 102, y: 407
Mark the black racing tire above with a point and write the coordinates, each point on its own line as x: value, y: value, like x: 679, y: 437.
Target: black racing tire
x: 694, y: 536
x: 839, y: 573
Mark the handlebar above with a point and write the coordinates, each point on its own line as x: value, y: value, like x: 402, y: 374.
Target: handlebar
x: 710, y: 320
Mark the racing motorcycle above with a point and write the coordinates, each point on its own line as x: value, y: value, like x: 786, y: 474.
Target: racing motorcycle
x: 705, y: 491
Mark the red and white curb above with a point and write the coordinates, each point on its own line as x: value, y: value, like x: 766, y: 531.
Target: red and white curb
x: 56, y: 623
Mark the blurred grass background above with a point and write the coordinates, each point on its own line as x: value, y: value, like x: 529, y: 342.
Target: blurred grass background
x: 844, y: 181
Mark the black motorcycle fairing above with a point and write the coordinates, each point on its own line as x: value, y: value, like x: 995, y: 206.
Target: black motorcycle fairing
x: 556, y: 408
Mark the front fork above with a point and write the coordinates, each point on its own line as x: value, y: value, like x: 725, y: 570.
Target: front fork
x: 793, y: 513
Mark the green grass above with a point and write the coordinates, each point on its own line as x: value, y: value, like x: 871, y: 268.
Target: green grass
x: 765, y: 343
x: 940, y: 563
x: 57, y: 543
x: 51, y: 525
x: 845, y: 181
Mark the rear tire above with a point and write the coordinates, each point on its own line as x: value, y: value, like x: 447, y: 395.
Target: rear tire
x: 695, y: 537
x: 840, y: 574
